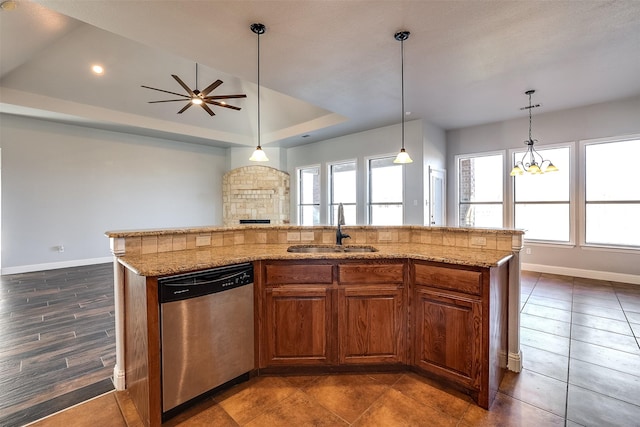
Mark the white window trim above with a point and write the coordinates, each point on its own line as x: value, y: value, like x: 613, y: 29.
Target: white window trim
x: 504, y: 181
x: 572, y: 192
x: 367, y: 189
x: 297, y: 189
x: 582, y: 196
x: 330, y: 184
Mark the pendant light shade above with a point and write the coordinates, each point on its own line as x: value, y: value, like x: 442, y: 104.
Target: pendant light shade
x: 258, y: 155
x: 532, y: 162
x: 403, y: 156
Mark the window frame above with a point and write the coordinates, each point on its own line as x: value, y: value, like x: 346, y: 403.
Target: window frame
x: 583, y: 194
x: 330, y: 204
x: 369, y: 204
x: 572, y: 191
x: 299, y: 204
x: 457, y: 159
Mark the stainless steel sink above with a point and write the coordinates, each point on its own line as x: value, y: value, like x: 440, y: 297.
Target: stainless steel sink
x: 329, y: 249
x: 360, y: 249
x: 313, y: 249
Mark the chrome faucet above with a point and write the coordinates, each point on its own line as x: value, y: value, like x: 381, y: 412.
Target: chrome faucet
x: 339, y: 234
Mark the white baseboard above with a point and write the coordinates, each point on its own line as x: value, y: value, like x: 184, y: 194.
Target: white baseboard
x: 514, y: 362
x: 54, y: 265
x: 578, y: 272
x: 118, y: 378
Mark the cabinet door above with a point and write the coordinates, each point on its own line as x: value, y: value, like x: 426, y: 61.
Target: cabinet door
x: 371, y: 324
x: 448, y: 334
x: 298, y: 325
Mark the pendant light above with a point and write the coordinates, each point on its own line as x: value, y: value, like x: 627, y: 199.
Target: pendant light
x: 258, y: 155
x: 403, y: 156
x: 532, y: 162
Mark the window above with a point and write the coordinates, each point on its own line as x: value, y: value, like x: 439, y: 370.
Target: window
x: 309, y: 196
x: 612, y: 193
x: 342, y: 189
x: 386, y: 189
x: 542, y: 205
x: 480, y: 190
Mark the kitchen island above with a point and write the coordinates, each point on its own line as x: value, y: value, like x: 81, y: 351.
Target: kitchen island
x: 435, y: 300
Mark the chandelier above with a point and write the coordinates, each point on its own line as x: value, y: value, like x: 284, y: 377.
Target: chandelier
x: 532, y: 162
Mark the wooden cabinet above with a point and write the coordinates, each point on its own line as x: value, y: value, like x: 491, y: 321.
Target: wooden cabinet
x: 299, y: 324
x: 333, y: 313
x: 371, y: 313
x: 298, y: 311
x: 459, y: 325
x: 448, y: 335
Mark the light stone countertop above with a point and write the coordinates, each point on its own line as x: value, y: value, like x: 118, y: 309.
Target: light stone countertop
x: 176, y: 262
x: 288, y: 227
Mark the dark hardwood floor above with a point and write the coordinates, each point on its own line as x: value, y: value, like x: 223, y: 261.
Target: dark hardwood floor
x: 57, y: 342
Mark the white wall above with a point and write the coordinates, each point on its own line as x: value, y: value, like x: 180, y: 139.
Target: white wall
x: 67, y: 185
x: 359, y: 146
x: 609, y: 119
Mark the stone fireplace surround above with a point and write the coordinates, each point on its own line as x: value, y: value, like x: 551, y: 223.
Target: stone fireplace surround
x: 255, y: 192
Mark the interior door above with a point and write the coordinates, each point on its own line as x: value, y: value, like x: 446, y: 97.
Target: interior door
x: 437, y: 202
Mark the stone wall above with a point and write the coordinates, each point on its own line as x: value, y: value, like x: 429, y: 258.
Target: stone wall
x: 255, y: 192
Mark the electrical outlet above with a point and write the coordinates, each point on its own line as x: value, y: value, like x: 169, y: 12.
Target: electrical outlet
x: 478, y: 241
x: 527, y: 251
x: 61, y: 248
x: 203, y: 240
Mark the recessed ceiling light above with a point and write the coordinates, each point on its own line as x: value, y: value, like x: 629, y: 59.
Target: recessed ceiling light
x: 8, y: 5
x: 97, y: 69
x: 306, y: 136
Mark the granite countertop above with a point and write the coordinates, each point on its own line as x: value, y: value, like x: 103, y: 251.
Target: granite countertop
x: 167, y: 263
x: 288, y: 227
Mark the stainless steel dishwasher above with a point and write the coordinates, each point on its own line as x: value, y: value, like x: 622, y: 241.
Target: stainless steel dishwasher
x: 206, y: 323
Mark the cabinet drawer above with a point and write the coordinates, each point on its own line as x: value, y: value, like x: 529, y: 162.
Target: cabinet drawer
x: 277, y: 274
x: 370, y: 273
x: 449, y: 278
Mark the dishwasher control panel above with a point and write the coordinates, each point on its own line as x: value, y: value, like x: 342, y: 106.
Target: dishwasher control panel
x: 190, y: 285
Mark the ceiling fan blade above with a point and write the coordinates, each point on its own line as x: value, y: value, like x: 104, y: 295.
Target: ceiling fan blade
x: 220, y: 104
x: 224, y: 96
x: 165, y: 91
x: 207, y: 109
x: 189, y: 104
x: 184, y: 86
x: 211, y: 87
x: 166, y: 100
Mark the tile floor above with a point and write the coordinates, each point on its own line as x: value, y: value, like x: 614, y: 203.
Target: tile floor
x: 57, y: 342
x: 581, y: 367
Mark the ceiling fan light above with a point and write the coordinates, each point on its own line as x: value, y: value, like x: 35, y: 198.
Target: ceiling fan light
x: 196, y: 100
x: 258, y: 155
x: 403, y: 157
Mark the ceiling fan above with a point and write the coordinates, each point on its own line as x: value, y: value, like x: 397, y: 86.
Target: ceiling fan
x: 195, y: 97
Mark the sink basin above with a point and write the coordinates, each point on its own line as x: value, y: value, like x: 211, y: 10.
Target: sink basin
x: 359, y: 249
x: 307, y: 249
